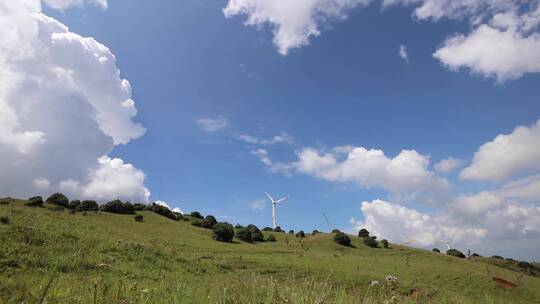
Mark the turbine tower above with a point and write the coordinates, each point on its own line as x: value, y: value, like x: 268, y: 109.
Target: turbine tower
x: 274, y: 202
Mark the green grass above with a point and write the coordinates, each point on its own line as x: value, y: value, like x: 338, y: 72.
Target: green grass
x: 49, y: 256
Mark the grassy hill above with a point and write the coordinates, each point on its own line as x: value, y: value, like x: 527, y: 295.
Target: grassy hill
x: 49, y: 256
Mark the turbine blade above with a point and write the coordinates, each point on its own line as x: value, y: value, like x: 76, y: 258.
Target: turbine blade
x: 282, y: 199
x: 271, y: 198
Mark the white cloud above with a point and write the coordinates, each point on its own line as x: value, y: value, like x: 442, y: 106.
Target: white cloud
x: 407, y: 172
x: 274, y: 167
x: 403, y: 53
x: 213, y: 124
x: 64, y: 4
x: 506, y: 155
x: 258, y: 205
x: 293, y: 22
x: 504, y: 54
x: 448, y: 165
x: 63, y: 104
x: 277, y: 139
x: 527, y: 189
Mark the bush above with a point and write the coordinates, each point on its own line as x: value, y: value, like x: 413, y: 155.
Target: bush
x: 476, y: 255
x: 4, y: 220
x: 196, y: 222
x: 336, y: 231
x: 271, y: 238
x: 139, y: 218
x: 139, y: 206
x: 256, y: 234
x: 238, y: 226
x: 179, y: 216
x: 455, y: 252
x: 363, y: 233
x: 315, y: 232
x: 384, y: 243
x: 278, y: 229
x: 371, y: 241
x: 196, y: 215
x: 244, y: 234
x: 291, y: 231
x: 497, y: 257
x: 88, y: 205
x: 342, y: 239
x: 301, y: 234
x: 435, y: 250
x: 524, y: 264
x: 35, y: 201
x: 209, y: 222
x: 117, y: 206
x: 268, y: 229
x: 223, y: 232
x: 163, y: 211
x: 58, y: 199
x: 74, y: 204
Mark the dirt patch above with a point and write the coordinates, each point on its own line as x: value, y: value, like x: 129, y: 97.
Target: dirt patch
x: 414, y: 293
x: 504, y: 283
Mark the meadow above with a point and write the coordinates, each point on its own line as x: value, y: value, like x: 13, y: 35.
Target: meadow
x: 50, y: 255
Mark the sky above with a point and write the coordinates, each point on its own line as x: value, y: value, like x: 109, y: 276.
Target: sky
x: 415, y: 119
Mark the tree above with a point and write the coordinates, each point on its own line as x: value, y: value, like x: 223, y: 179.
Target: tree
x: 435, y: 250
x: 371, y: 241
x: 88, y: 205
x: 223, y: 232
x: 271, y: 238
x: 117, y: 206
x: 244, y: 234
x: 315, y: 232
x: 385, y: 243
x: 209, y: 222
x: 268, y: 229
x: 291, y: 231
x: 74, y: 204
x: 196, y: 222
x: 336, y: 231
x: 278, y: 229
x: 196, y: 214
x: 139, y: 218
x: 35, y: 201
x: 256, y: 234
x: 342, y: 239
x: 301, y: 234
x: 58, y: 199
x: 363, y: 233
x: 455, y: 252
x: 164, y: 211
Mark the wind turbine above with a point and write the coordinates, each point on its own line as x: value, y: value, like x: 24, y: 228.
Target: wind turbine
x: 447, y: 242
x: 274, y: 202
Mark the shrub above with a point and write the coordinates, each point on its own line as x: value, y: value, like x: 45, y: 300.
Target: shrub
x: 497, y: 257
x: 4, y: 220
x: 196, y: 215
x: 139, y: 206
x: 336, y: 231
x: 238, y: 226
x: 58, y: 199
x: 315, y: 232
x: 268, y: 229
x: 384, y: 243
x: 256, y: 234
x: 524, y: 264
x: 139, y: 218
x: 301, y: 234
x: 35, y: 201
x: 117, y: 206
x: 88, y: 205
x: 4, y: 202
x: 371, y: 241
x: 223, y: 232
x: 455, y: 252
x: 342, y: 239
x: 244, y: 234
x: 271, y: 238
x: 74, y: 204
x: 163, y: 211
x: 209, y: 222
x: 476, y: 255
x: 58, y: 208
x: 278, y: 229
x: 291, y: 231
x: 196, y: 222
x: 435, y: 250
x: 179, y: 216
x: 363, y: 233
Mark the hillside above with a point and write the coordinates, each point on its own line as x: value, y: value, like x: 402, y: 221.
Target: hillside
x: 52, y: 256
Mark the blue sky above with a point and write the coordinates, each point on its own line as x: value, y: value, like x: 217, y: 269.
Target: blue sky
x: 188, y: 64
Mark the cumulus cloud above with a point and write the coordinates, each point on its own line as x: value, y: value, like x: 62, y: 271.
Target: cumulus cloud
x: 293, y: 22
x: 403, y: 53
x: 506, y: 155
x: 282, y: 138
x: 214, y: 124
x: 448, y: 165
x: 63, y: 105
x: 258, y: 205
x: 274, y: 167
x: 64, y: 4
x: 405, y: 173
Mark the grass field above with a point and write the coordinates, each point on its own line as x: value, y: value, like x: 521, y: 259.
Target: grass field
x: 49, y: 256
